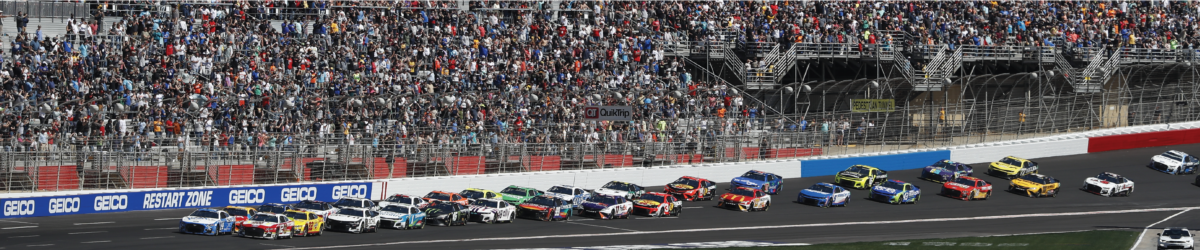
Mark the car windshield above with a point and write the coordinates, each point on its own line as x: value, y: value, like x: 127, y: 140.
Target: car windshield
x: 237, y: 212
x: 514, y: 191
x: 486, y: 203
x: 271, y: 209
x: 400, y: 199
x: 438, y: 196
x: 891, y: 184
x: 944, y: 164
x: 821, y: 188
x: 205, y: 214
x: 602, y: 199
x: 398, y: 209
x: 652, y: 197
x: 859, y: 169
x: 349, y: 203
x: 561, y: 190
x: 1036, y: 179
x: 1010, y: 161
x: 1176, y: 232
x: 1173, y: 156
x: 542, y: 200
x: 1108, y: 178
x: 688, y: 182
x: 440, y: 208
x: 738, y: 191
x: 297, y: 216
x: 311, y: 205
x: 965, y: 181
x: 351, y: 212
x: 264, y: 218
x: 755, y: 176
x: 472, y: 194
x: 616, y: 186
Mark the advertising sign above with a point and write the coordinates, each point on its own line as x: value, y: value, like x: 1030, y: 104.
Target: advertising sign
x: 872, y: 105
x: 608, y: 113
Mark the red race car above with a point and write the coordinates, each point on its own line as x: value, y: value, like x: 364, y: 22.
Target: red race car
x: 690, y: 188
x: 658, y: 204
x: 967, y: 188
x: 446, y: 197
x: 240, y: 214
x: 267, y: 226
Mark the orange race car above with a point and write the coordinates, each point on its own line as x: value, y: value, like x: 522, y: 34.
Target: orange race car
x: 446, y: 197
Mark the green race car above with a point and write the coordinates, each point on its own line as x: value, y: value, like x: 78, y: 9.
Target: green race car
x: 517, y: 194
x: 860, y: 177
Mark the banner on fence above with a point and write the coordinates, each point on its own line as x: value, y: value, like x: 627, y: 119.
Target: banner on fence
x: 608, y: 113
x: 872, y: 105
x: 172, y: 199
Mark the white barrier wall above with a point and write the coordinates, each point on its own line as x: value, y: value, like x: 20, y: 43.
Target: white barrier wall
x: 1029, y: 149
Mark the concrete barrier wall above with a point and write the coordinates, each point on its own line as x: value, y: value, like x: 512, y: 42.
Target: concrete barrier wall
x: 1036, y: 148
x: 886, y: 162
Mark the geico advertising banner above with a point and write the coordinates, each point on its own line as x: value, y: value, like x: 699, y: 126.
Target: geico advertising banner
x: 608, y: 113
x: 193, y: 198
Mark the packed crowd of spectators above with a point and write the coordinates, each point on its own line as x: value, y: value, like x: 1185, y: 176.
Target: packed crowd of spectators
x: 425, y: 72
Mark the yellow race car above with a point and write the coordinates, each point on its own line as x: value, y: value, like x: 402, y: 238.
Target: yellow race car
x: 1035, y: 185
x: 307, y: 223
x: 860, y: 177
x: 240, y: 214
x: 1012, y: 167
x: 476, y: 193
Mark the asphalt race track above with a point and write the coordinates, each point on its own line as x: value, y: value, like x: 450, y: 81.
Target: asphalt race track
x: 1157, y: 196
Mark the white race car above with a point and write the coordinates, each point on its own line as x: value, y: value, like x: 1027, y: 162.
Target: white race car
x: 359, y: 203
x: 573, y: 194
x: 1175, y: 162
x: 324, y: 209
x: 354, y: 220
x: 1108, y: 184
x: 492, y: 210
x: 414, y: 200
x: 624, y: 189
x: 606, y: 207
x: 1176, y: 238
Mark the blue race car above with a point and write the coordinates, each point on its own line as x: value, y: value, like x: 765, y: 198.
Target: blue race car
x: 754, y: 179
x: 402, y: 216
x: 275, y: 208
x: 946, y: 170
x: 207, y: 221
x: 824, y: 195
x: 896, y: 192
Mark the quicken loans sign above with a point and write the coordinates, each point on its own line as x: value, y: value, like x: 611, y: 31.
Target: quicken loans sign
x: 608, y: 113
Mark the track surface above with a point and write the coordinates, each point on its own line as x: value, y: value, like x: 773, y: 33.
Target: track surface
x: 701, y: 222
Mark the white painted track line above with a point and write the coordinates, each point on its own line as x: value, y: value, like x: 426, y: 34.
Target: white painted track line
x: 161, y: 228
x: 42, y: 245
x: 94, y: 223
x: 1153, y: 244
x: 92, y: 232
x: 98, y: 241
x: 24, y: 236
x: 167, y: 219
x: 622, y: 229
x: 22, y: 227
x: 163, y: 237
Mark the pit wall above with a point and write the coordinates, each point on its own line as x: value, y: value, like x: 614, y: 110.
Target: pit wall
x: 16, y: 205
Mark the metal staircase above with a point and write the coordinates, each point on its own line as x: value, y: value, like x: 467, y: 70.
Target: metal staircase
x: 1062, y: 65
x: 935, y: 75
x: 1092, y: 78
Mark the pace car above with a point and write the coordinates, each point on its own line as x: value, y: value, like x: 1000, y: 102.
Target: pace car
x: 946, y: 170
x: 824, y: 195
x: 351, y: 202
x: 692, y: 188
x: 402, y: 216
x: 1012, y: 167
x: 767, y: 182
x: 444, y: 196
x: 354, y: 220
x: 573, y: 194
x: 1035, y: 185
x: 658, y: 205
x: 268, y: 226
x: 446, y: 213
x: 1176, y: 238
x: 607, y: 207
x: 860, y: 177
x: 207, y: 221
x: 473, y: 194
x: 546, y: 208
x: 306, y: 223
x: 239, y: 214
x: 275, y: 208
x: 1175, y: 162
x: 745, y: 199
x: 967, y: 188
x: 324, y: 209
x: 1108, y: 184
x: 896, y: 192
x: 490, y: 211
x: 619, y: 188
x: 516, y: 194
x: 397, y: 199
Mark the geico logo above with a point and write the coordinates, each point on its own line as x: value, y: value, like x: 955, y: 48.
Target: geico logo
x: 64, y: 205
x: 298, y: 194
x: 18, y: 207
x: 247, y: 196
x: 110, y: 202
x: 357, y: 191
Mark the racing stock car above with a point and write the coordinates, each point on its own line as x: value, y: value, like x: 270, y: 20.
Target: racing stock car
x: 306, y: 223
x: 545, y: 208
x: 745, y: 199
x: 1012, y: 167
x: 658, y: 204
x: 444, y: 196
x: 207, y: 221
x: 397, y: 199
x: 351, y: 202
x: 268, y: 226
x: 473, y: 194
x: 1035, y: 185
x: 1108, y: 184
x: 620, y: 188
x: 446, y: 213
x: 860, y: 177
x: 572, y: 194
x: 1175, y: 162
x: 516, y: 194
x: 324, y: 209
x: 402, y: 216
x: 606, y: 207
x: 275, y: 208
x: 824, y: 195
x: 492, y: 210
x: 691, y: 188
x: 354, y: 220
x: 967, y: 188
x: 240, y: 214
x: 896, y: 192
x: 946, y: 170
x: 767, y: 182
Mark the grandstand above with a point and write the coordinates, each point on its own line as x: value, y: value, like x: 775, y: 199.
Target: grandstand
x: 200, y: 93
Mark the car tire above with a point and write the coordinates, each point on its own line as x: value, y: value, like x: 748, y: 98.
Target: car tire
x: 217, y: 231
x: 512, y: 218
x: 1053, y: 193
x: 362, y: 227
x: 766, y: 207
x: 321, y: 230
